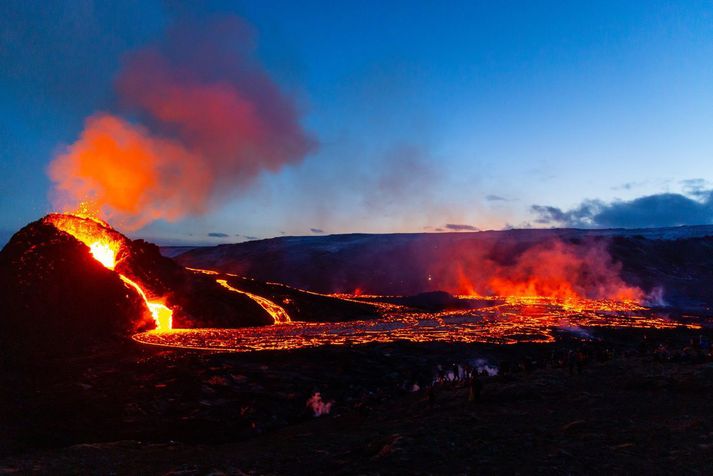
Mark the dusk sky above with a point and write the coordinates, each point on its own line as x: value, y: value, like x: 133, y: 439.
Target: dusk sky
x: 409, y: 116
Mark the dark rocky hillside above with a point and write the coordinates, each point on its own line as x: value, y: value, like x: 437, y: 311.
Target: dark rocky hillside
x: 57, y: 298
x: 674, y: 265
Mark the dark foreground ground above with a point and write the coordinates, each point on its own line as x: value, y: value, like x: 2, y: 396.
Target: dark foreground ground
x: 140, y: 410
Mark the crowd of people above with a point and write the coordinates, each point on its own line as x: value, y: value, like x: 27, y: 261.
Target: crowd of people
x: 573, y: 359
x: 697, y: 350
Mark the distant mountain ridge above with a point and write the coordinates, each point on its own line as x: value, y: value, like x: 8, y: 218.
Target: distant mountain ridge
x: 678, y: 260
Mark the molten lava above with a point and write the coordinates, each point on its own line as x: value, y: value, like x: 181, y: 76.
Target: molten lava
x: 104, y: 253
x: 107, y: 247
x: 278, y: 314
x: 489, y: 319
x: 162, y: 315
x: 494, y: 321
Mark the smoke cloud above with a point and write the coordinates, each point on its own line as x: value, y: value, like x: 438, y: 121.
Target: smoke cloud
x: 460, y: 227
x: 553, y: 268
x: 207, y: 120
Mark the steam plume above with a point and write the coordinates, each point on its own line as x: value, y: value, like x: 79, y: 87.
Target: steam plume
x: 208, y: 122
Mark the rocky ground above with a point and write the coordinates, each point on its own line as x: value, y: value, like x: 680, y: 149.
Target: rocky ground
x: 620, y: 404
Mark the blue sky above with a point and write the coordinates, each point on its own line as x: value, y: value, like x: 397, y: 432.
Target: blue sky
x: 426, y: 113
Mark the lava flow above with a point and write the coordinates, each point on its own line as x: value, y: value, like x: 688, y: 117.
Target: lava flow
x: 496, y: 320
x: 492, y: 319
x: 108, y: 248
x: 278, y: 314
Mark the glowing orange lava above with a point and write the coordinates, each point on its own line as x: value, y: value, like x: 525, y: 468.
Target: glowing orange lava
x: 491, y: 319
x: 278, y: 314
x: 162, y: 315
x: 104, y: 253
x: 495, y: 320
x: 107, y: 246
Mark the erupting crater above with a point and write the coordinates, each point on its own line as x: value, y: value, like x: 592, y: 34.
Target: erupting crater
x: 109, y: 248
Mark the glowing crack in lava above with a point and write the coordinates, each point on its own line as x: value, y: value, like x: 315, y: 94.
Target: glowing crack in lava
x: 105, y: 246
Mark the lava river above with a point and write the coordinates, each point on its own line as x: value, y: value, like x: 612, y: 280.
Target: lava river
x: 489, y: 320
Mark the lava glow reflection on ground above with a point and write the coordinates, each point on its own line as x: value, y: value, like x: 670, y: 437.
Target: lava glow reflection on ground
x: 496, y: 320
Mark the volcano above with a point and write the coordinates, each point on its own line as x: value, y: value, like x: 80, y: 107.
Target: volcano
x: 70, y: 282
x: 60, y: 296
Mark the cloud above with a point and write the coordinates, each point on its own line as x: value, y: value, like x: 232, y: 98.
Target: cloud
x: 317, y: 231
x: 216, y: 234
x: 698, y: 187
x: 495, y: 198
x: 460, y: 227
x: 629, y: 185
x: 659, y: 210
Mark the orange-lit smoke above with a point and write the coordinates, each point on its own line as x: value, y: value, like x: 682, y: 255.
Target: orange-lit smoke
x: 207, y: 122
x: 127, y: 173
x: 553, y: 268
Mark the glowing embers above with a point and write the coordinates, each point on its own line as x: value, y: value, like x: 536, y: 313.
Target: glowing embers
x: 497, y: 320
x: 106, y: 246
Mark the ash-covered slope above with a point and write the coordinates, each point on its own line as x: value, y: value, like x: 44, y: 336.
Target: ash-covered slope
x: 675, y: 260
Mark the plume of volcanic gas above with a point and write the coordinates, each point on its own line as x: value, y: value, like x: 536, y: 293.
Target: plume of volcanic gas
x: 552, y: 268
x: 207, y: 120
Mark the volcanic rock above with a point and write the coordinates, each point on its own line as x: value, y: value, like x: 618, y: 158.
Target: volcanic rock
x: 196, y: 299
x: 57, y: 298
x: 433, y: 301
